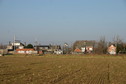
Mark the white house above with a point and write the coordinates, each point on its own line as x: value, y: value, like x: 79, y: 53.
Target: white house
x: 112, y: 50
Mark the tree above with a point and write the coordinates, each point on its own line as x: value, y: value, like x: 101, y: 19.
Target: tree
x: 101, y: 46
x: 29, y: 46
x: 3, y: 46
x: 119, y: 44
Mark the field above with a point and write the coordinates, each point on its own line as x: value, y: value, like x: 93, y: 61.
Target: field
x: 63, y: 69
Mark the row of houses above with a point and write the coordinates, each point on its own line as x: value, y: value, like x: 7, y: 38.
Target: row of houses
x: 19, y: 48
x: 85, y: 46
x: 79, y: 47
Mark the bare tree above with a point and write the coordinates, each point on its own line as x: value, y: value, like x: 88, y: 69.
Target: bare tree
x: 101, y: 47
x: 2, y: 46
x: 120, y: 45
x: 117, y: 40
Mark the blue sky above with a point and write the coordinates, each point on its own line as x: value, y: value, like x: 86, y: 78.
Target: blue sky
x: 59, y: 21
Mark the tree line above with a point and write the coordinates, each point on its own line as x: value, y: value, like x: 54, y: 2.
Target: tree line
x: 100, y: 47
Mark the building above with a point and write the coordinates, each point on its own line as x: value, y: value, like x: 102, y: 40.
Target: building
x: 26, y: 51
x: 47, y: 49
x: 58, y: 52
x: 89, y: 49
x: 112, y: 50
x: 15, y: 45
x: 42, y: 49
x: 84, y: 45
x: 78, y: 51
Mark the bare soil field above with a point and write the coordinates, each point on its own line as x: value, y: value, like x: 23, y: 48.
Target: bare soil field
x: 63, y: 69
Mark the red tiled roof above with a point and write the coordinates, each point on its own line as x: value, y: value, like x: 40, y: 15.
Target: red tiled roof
x: 24, y: 49
x: 77, y: 50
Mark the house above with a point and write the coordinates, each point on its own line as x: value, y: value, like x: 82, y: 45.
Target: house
x: 15, y: 45
x: 89, y: 49
x: 58, y: 52
x: 42, y: 49
x: 47, y: 49
x: 25, y: 51
x: 77, y: 50
x: 84, y: 45
x: 112, y: 50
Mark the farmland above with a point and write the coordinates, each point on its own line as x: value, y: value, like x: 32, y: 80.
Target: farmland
x: 62, y: 69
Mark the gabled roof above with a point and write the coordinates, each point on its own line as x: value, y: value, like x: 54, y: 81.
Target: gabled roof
x: 77, y: 50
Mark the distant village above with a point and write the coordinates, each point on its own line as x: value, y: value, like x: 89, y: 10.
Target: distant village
x: 78, y: 47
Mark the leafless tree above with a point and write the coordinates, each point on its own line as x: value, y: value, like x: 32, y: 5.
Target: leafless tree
x: 117, y: 40
x: 101, y: 47
x: 2, y: 46
x: 120, y: 45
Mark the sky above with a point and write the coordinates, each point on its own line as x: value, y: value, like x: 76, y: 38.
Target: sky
x: 60, y: 21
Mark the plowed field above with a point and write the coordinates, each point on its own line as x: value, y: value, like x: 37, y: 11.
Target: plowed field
x: 63, y: 69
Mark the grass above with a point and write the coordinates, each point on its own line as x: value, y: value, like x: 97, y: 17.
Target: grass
x: 62, y: 69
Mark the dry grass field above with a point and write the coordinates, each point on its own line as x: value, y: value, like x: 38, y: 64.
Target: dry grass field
x: 62, y: 69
